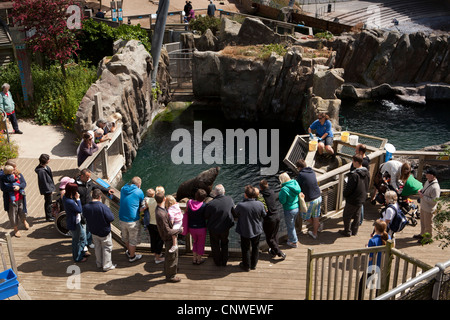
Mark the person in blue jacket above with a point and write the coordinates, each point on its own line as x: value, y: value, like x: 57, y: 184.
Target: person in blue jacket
x: 324, y: 133
x: 131, y: 197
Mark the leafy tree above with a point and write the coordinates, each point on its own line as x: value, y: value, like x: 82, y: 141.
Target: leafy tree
x: 46, y: 24
x: 96, y: 39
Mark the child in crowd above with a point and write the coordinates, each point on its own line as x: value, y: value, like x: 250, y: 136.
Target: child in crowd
x: 147, y: 205
x: 149, y: 219
x: 159, y: 189
x: 379, y: 238
x: 10, y: 178
x: 176, y: 217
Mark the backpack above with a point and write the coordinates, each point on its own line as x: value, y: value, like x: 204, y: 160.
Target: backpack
x: 399, y: 221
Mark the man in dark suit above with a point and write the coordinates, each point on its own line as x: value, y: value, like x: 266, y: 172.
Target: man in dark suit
x: 220, y: 215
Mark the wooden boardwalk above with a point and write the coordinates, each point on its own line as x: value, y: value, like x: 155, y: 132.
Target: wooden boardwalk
x: 44, y: 261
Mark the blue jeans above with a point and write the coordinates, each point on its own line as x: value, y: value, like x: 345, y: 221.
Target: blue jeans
x: 78, y: 242
x: 289, y: 217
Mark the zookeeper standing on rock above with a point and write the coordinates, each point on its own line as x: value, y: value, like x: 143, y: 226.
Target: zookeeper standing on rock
x: 7, y: 106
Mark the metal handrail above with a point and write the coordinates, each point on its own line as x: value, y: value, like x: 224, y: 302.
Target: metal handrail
x: 438, y: 269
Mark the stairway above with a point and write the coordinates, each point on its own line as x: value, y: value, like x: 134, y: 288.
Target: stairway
x: 382, y: 14
x: 6, y: 47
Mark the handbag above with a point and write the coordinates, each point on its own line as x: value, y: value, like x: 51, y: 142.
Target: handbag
x: 302, y: 202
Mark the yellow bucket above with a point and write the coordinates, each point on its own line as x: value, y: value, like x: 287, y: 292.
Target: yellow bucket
x: 312, y: 145
x: 344, y: 136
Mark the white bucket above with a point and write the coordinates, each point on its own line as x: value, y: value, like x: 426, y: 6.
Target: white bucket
x: 353, y: 140
x: 390, y: 149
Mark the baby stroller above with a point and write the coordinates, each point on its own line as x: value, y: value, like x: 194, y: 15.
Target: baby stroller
x: 410, y: 209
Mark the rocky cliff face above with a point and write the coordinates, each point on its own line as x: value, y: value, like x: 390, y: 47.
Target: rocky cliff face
x: 125, y: 85
x: 279, y: 88
x: 374, y: 57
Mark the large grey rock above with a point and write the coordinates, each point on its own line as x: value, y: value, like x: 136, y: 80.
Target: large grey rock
x: 206, y: 74
x: 125, y: 86
x: 207, y: 42
x: 253, y: 31
x: 229, y: 31
x: 326, y: 82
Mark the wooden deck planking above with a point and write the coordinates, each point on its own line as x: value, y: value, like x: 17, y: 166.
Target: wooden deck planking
x: 43, y: 256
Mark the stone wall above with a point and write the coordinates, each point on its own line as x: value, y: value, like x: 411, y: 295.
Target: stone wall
x: 124, y: 81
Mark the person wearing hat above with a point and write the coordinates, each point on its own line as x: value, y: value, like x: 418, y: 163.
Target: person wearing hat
x: 428, y: 204
x: 62, y: 190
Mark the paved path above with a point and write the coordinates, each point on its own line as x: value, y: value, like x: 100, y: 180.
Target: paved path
x: 52, y: 140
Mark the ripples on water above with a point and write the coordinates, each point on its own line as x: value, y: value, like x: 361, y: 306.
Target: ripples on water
x: 406, y: 127
x: 154, y: 165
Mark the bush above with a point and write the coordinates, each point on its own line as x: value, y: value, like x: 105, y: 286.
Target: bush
x: 204, y: 23
x: 7, y: 150
x: 56, y: 99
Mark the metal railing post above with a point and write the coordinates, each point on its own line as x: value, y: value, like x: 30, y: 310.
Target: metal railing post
x: 437, y: 285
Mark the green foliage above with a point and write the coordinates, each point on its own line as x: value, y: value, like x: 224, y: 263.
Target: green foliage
x: 10, y: 74
x: 7, y: 150
x: 56, y: 98
x: 97, y: 39
x: 267, y: 50
x: 156, y: 91
x: 204, y: 23
x: 130, y: 32
x: 324, y: 35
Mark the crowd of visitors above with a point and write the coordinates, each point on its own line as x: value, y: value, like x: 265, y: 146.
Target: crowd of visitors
x: 89, y: 219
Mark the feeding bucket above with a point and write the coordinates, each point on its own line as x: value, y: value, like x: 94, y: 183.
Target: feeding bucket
x: 390, y: 149
x: 353, y: 140
x: 344, y: 136
x: 312, y: 145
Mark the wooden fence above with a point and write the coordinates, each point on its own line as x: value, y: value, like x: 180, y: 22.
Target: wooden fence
x: 351, y: 275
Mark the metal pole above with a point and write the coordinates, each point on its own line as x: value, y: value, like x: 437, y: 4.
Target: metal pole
x: 158, y: 36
